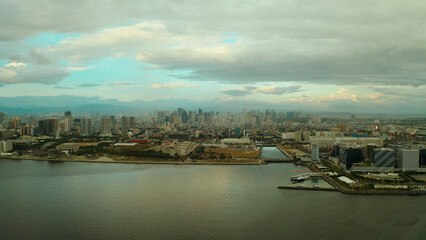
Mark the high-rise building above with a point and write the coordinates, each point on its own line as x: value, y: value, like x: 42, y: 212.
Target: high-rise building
x: 177, y: 119
x: 26, y: 130
x: 16, y: 123
x: 408, y: 159
x: 124, y: 124
x: 42, y: 127
x: 306, y: 136
x: 68, y: 117
x: 106, y: 126
x: 86, y: 124
x: 300, y: 136
x: 315, y: 152
x: 52, y: 127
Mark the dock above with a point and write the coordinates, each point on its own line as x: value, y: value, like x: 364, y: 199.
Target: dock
x: 308, y: 188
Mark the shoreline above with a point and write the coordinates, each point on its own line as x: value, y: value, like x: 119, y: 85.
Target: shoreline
x: 337, y: 186
x: 151, y: 161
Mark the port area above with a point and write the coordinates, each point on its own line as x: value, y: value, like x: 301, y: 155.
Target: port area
x: 340, y: 186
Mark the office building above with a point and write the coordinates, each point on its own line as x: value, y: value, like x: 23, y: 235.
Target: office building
x: 70, y: 121
x: 6, y: 146
x: 349, y: 155
x: 52, y: 127
x: 106, y: 126
x: 86, y: 124
x: 124, y: 124
x: 315, y: 152
x: 26, y: 130
x: 408, y: 159
x: 384, y: 157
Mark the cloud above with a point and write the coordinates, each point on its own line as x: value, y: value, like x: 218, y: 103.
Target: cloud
x: 89, y: 85
x: 122, y: 84
x: 275, y: 90
x: 77, y: 69
x: 38, y: 57
x: 173, y: 85
x: 379, y: 43
x: 18, y: 72
x: 33, y: 66
x: 59, y: 87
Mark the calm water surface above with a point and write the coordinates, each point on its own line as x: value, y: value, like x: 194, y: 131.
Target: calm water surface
x: 42, y: 200
x: 272, y: 152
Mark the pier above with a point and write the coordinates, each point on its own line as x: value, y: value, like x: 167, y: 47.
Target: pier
x: 305, y: 176
x: 308, y: 188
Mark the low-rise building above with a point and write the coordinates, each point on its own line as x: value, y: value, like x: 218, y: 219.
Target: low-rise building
x: 68, y: 147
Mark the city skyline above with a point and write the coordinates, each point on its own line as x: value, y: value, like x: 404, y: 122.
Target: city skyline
x: 226, y: 119
x: 365, y: 58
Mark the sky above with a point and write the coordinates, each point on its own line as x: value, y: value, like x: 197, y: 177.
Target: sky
x: 330, y: 55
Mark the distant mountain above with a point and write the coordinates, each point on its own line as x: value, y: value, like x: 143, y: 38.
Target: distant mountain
x: 80, y: 104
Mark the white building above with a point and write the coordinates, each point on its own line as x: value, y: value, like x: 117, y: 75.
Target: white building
x: 315, y: 152
x: 330, y: 141
x: 288, y: 135
x: 6, y: 146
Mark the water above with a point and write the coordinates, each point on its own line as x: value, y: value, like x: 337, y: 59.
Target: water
x: 42, y: 200
x: 272, y: 153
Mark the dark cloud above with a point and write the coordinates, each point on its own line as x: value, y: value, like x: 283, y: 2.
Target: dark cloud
x: 89, y: 85
x: 59, y: 87
x: 236, y: 92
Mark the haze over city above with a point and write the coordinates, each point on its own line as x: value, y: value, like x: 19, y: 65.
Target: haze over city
x: 326, y: 56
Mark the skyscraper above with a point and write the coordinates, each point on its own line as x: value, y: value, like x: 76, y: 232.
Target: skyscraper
x: 124, y: 124
x: 42, y: 127
x: 106, y: 126
x: 52, y: 127
x: 86, y: 124
x: 68, y: 117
